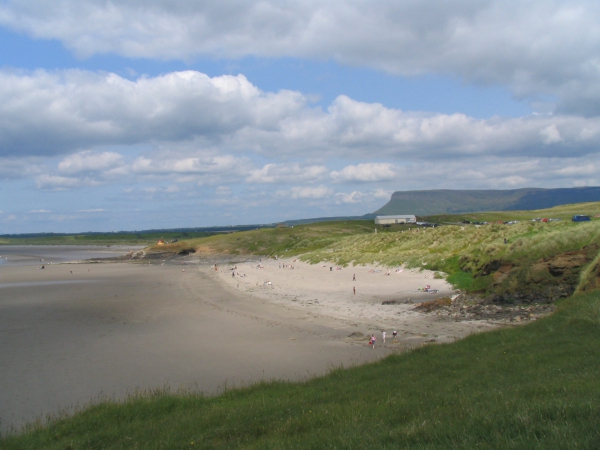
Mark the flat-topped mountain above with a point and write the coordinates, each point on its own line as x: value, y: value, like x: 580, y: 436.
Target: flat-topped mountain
x: 448, y: 201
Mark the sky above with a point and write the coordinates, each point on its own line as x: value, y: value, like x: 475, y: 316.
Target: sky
x: 133, y: 115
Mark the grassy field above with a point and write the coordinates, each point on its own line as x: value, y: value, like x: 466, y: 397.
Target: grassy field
x: 564, y: 212
x: 287, y: 241
x: 528, y: 387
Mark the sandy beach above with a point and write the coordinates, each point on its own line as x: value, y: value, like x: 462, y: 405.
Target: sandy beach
x: 75, y: 333
x: 351, y: 297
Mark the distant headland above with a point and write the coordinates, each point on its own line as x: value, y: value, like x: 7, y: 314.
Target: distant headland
x: 449, y: 201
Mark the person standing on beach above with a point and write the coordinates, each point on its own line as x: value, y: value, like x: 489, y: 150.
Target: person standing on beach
x: 383, y: 336
x: 395, y: 333
x: 354, y: 289
x: 354, y: 277
x: 373, y: 339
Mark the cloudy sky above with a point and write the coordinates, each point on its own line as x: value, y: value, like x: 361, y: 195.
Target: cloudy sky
x: 136, y: 114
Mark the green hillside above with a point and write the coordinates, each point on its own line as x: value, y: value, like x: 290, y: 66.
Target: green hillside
x: 446, y: 201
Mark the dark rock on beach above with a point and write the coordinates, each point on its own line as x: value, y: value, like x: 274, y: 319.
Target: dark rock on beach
x: 472, y: 307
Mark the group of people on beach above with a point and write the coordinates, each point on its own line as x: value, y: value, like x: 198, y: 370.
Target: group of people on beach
x: 428, y: 289
x: 373, y: 339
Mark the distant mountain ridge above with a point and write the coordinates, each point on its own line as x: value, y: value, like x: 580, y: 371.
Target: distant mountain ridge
x: 449, y: 201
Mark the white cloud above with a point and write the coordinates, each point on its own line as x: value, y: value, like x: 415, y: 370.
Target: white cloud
x: 550, y: 135
x: 371, y: 197
x: 306, y: 192
x: 352, y: 197
x: 45, y: 113
x: 494, y: 172
x: 286, y: 173
x: 87, y: 161
x: 39, y: 211
x: 154, y: 189
x: 48, y: 113
x: 382, y: 193
x: 172, y: 164
x: 369, y: 172
x: 56, y: 182
x: 186, y: 130
x: 92, y: 210
x: 535, y: 47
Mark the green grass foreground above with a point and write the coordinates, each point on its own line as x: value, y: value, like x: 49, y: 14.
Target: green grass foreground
x: 533, y: 386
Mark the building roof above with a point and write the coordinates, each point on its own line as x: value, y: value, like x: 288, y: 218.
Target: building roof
x: 406, y: 216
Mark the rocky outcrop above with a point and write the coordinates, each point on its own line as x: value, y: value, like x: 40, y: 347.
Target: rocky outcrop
x: 544, y: 281
x: 471, y: 307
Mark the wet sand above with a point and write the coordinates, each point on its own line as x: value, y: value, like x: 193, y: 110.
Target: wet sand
x: 106, y: 330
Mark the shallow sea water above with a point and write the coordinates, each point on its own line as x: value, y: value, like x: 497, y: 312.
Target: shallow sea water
x: 28, y: 255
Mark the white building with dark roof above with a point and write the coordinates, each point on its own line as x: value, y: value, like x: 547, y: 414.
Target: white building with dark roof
x: 390, y: 220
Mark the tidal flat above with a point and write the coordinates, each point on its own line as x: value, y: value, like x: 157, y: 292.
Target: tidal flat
x: 72, y: 334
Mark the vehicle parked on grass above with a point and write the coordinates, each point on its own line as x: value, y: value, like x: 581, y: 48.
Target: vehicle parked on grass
x: 581, y: 218
x: 427, y: 224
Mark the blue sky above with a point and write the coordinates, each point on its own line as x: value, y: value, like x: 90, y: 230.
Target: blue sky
x: 137, y: 115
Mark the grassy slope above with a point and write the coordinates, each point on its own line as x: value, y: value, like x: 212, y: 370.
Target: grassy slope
x: 461, y: 251
x: 277, y: 241
x: 533, y: 386
x: 464, y: 250
x: 564, y: 212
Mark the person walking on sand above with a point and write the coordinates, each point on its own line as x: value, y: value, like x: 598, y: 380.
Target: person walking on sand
x: 354, y: 277
x: 395, y: 333
x: 354, y: 289
x: 373, y: 339
x: 383, y: 336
